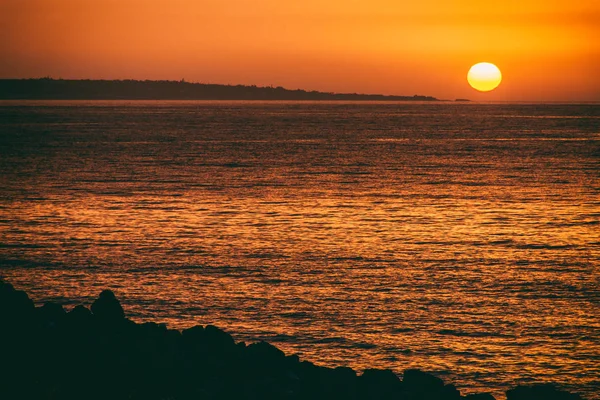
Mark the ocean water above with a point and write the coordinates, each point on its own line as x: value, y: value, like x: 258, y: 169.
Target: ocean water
x: 459, y: 238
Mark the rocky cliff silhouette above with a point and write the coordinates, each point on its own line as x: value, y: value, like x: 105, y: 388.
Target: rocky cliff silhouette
x: 51, y: 353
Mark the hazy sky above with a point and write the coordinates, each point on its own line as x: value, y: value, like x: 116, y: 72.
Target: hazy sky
x: 546, y: 49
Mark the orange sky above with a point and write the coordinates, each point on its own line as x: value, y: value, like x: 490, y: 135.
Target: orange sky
x: 546, y: 49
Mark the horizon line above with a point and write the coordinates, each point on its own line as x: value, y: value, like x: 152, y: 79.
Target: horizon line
x: 387, y: 97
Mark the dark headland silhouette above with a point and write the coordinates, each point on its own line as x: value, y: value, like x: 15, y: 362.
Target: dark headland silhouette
x: 49, y: 353
x: 64, y: 89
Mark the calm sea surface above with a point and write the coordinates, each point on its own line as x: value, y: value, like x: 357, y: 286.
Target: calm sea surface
x: 462, y: 239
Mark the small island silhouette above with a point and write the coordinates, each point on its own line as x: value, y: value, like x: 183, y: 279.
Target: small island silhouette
x: 86, y: 89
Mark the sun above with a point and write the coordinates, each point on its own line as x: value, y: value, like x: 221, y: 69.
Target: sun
x: 484, y: 77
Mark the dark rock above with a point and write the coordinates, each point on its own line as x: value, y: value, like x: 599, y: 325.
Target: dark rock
x: 51, y: 314
x: 379, y: 384
x: 116, y: 358
x: 449, y: 392
x: 307, y: 371
x: 5, y: 287
x: 173, y: 335
x: 209, y: 352
x: 79, y: 315
x: 209, y: 338
x: 265, y: 354
x: 383, y: 377
x: 291, y: 360
x: 217, y: 338
x: 15, y: 305
x: 417, y: 379
x: 315, y: 382
x: 152, y: 329
x: 194, y: 333
x: 346, y: 374
x: 344, y: 380
x: 540, y: 392
x: 107, y: 308
x: 423, y: 386
x: 480, y: 396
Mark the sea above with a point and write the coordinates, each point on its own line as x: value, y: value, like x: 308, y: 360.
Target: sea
x: 459, y: 238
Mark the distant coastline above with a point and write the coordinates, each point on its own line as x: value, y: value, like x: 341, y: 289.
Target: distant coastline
x: 67, y: 89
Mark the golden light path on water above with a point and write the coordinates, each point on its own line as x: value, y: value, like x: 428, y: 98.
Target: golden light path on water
x: 458, y: 239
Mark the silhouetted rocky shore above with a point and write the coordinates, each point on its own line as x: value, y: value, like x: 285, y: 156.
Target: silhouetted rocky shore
x: 49, y: 353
